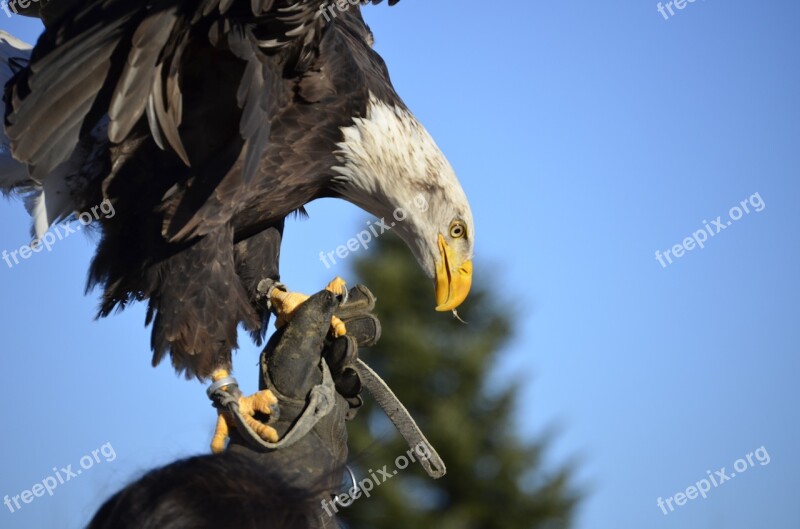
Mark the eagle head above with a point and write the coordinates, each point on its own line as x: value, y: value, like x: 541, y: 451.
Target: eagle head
x: 390, y: 166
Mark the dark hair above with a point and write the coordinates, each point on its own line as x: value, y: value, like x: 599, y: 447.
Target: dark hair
x: 211, y: 492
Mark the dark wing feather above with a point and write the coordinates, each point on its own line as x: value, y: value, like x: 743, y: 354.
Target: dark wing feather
x: 167, y: 101
x: 134, y: 86
x: 255, y: 97
x: 48, y: 101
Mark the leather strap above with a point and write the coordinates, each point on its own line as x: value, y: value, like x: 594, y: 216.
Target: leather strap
x: 401, y: 419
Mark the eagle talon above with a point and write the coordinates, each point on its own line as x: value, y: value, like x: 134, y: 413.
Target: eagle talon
x: 285, y: 304
x: 338, y: 327
x: 338, y: 286
x: 261, y: 402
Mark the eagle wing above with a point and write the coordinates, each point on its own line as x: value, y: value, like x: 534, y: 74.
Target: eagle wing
x: 123, y: 60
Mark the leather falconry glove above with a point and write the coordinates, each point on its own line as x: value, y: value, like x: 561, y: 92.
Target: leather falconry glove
x: 314, y: 378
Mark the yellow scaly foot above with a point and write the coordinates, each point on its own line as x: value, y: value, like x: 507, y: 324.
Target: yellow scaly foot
x: 260, y: 402
x: 285, y: 303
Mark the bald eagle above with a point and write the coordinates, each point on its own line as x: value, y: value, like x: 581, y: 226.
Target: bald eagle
x: 206, y: 123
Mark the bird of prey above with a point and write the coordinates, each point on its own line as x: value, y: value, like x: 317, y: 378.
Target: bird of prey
x: 206, y: 123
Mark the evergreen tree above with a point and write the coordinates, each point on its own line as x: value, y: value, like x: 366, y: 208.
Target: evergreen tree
x: 439, y: 368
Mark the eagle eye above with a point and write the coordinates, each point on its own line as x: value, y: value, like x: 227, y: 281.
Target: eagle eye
x: 458, y: 230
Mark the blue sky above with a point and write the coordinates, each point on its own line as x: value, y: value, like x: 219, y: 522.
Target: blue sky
x: 587, y: 135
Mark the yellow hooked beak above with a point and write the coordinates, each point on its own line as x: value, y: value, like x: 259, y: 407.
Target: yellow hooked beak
x: 453, y: 281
